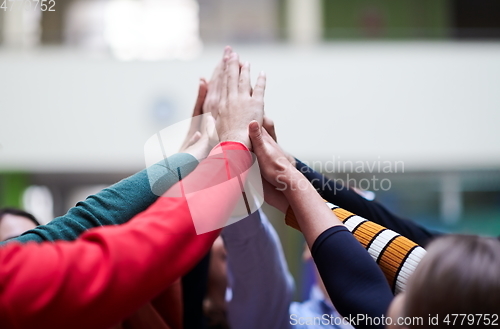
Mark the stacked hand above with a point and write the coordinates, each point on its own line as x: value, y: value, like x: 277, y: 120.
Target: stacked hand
x: 201, y: 136
x: 275, y: 168
x: 230, y: 99
x: 239, y: 104
x: 239, y: 111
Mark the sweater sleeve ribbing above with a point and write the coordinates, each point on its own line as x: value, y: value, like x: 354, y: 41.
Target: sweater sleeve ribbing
x: 346, y: 198
x: 396, y: 255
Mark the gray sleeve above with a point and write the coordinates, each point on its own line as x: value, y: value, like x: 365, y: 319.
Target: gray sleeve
x: 261, y: 284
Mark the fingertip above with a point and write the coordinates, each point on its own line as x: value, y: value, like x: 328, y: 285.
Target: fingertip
x: 203, y: 85
x: 227, y: 51
x: 244, y: 66
x: 254, y: 126
x: 210, y: 118
x: 195, y: 138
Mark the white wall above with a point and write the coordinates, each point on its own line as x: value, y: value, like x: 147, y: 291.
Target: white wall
x: 431, y: 105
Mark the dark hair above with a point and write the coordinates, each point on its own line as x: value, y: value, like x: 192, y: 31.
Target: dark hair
x: 459, y: 275
x: 18, y: 212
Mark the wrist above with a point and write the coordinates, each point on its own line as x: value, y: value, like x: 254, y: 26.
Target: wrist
x: 286, y: 177
x: 236, y: 137
x: 198, y: 153
x: 296, y: 182
x: 281, y: 204
x: 200, y: 149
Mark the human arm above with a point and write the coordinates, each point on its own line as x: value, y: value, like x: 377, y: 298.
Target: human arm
x: 72, y: 284
x: 348, y: 199
x: 354, y: 282
x: 396, y: 255
x: 126, y: 265
x: 120, y: 202
x: 114, y: 205
x: 259, y: 276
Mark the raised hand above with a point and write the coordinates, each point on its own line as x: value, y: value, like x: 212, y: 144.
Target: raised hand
x: 239, y: 104
x: 273, y: 162
x: 268, y: 125
x: 212, y: 101
x: 207, y: 101
x: 194, y: 129
x: 274, y: 166
x: 203, y: 140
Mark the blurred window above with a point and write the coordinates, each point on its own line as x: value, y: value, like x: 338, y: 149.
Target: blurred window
x: 386, y: 19
x: 133, y: 29
x: 411, y: 19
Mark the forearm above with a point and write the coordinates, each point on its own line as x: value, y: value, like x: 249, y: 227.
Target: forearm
x: 79, y: 280
x: 396, y: 255
x: 309, y: 208
x: 116, y: 204
x: 72, y: 284
x: 354, y: 282
x: 260, y: 279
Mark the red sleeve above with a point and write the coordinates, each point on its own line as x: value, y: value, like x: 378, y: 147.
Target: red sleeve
x: 108, y: 273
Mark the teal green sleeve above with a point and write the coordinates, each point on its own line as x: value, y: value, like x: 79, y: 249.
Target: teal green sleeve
x: 116, y: 204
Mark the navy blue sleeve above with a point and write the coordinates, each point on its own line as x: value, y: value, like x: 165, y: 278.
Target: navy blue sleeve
x: 349, y: 200
x: 354, y: 282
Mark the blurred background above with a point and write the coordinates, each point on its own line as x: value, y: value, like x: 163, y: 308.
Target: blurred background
x: 84, y: 84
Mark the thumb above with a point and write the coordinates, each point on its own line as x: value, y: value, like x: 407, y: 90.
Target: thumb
x: 202, y: 93
x: 196, y: 137
x: 255, y: 134
x: 210, y: 129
